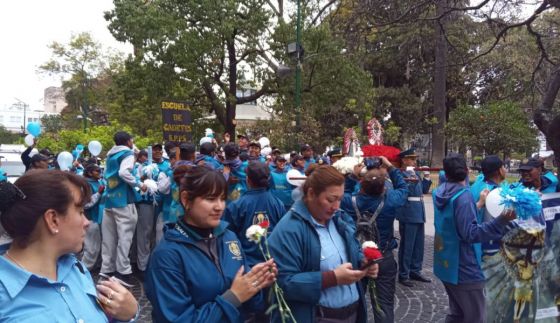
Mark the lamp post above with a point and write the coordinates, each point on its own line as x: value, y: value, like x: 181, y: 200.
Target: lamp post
x: 25, y: 105
x: 85, y: 106
x: 298, y: 66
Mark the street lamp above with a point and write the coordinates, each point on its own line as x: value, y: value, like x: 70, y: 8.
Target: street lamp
x: 25, y: 105
x: 298, y: 66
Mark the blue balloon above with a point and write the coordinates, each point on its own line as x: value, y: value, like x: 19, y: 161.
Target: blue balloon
x: 75, y: 154
x: 80, y: 148
x: 34, y: 129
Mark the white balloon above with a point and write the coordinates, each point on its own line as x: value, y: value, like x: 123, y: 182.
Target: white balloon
x: 264, y: 142
x: 205, y: 140
x: 33, y: 152
x: 65, y: 160
x: 493, y: 200
x: 95, y: 147
x: 266, y: 151
x: 295, y: 177
x: 29, y: 139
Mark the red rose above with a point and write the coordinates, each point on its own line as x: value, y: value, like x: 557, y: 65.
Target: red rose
x: 265, y: 224
x: 372, y: 253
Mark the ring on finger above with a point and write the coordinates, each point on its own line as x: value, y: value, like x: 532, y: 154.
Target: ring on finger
x: 107, y: 301
x: 255, y: 283
x: 111, y: 295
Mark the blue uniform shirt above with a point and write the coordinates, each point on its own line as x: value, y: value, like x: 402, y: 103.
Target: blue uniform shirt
x: 26, y: 297
x: 3, y: 175
x: 333, y: 254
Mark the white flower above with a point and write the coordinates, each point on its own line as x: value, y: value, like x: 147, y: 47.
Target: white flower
x: 369, y: 244
x: 345, y: 165
x: 255, y: 233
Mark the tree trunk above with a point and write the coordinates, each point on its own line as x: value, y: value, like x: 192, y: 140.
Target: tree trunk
x: 440, y: 76
x: 231, y: 99
x: 541, y: 116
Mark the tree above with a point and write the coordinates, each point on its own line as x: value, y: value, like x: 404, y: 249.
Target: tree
x: 52, y: 123
x: 67, y: 140
x: 499, y: 127
x: 7, y: 137
x: 217, y: 46
x: 84, y: 68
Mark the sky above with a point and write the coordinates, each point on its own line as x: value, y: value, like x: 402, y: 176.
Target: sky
x: 28, y: 26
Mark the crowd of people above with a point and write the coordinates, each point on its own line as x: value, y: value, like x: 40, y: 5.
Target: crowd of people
x: 176, y: 219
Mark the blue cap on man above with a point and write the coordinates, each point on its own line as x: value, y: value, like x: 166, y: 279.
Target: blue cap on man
x: 407, y: 153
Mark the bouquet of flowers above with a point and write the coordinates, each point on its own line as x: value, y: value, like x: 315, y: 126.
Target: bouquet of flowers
x: 525, y: 201
x: 372, y: 253
x: 257, y: 233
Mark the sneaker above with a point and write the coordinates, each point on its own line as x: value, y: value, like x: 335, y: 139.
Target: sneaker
x: 406, y: 282
x: 420, y: 278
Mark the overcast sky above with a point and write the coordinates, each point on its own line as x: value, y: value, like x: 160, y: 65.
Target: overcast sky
x: 28, y: 26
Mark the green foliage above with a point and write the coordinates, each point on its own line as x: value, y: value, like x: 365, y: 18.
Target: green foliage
x: 336, y: 93
x: 52, y: 123
x: 499, y: 127
x: 85, y: 69
x: 7, y: 137
x: 66, y: 140
x: 211, y: 45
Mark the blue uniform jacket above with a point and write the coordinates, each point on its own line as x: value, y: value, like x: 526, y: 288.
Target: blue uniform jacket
x: 413, y: 211
x: 296, y: 248
x: 254, y: 207
x: 394, y: 199
x: 468, y: 229
x: 184, y: 284
x: 209, y: 162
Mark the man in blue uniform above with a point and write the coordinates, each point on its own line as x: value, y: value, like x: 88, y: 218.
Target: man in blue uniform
x: 412, y: 217
x: 120, y: 216
x: 207, y: 157
x: 494, y: 173
x: 334, y: 155
x: 255, y: 152
x: 457, y: 252
x: 307, y: 153
x: 256, y: 206
x: 279, y: 185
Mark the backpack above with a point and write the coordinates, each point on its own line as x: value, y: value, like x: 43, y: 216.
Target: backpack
x: 366, y: 227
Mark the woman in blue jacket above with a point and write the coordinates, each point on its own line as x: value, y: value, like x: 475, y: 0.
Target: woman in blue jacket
x: 319, y: 260
x: 198, y: 272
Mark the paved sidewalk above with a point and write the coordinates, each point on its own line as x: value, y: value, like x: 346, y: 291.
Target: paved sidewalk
x: 419, y: 304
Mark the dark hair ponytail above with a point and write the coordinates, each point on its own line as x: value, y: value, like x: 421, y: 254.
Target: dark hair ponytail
x: 23, y: 203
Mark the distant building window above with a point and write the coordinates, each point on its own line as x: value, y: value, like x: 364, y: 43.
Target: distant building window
x: 242, y: 93
x: 29, y: 119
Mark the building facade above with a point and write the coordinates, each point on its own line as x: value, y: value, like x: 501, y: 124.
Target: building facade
x: 54, y: 100
x: 16, y: 117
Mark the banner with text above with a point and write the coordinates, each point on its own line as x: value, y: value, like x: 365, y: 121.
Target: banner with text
x: 176, y: 120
